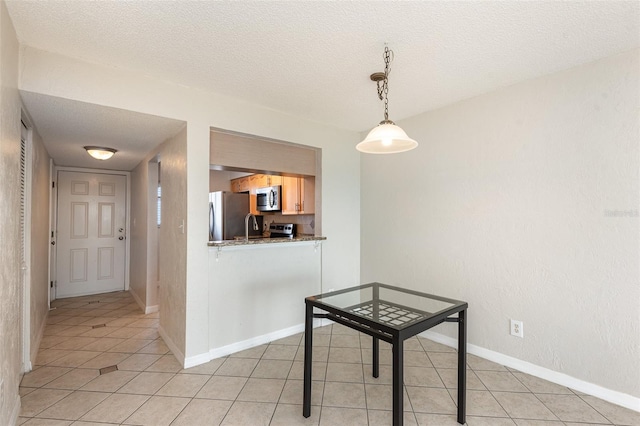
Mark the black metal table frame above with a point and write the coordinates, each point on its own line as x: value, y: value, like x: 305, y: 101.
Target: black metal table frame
x: 394, y: 335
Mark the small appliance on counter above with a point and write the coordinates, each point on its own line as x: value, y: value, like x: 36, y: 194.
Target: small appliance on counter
x: 269, y: 199
x: 282, y: 230
x: 227, y: 212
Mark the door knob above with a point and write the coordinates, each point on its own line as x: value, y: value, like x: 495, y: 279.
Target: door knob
x: 121, y: 238
x: 53, y: 243
x: 121, y: 229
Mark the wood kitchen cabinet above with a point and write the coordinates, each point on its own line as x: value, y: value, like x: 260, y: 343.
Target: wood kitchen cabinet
x: 274, y: 180
x: 251, y: 184
x: 262, y: 181
x: 298, y: 195
x: 240, y: 184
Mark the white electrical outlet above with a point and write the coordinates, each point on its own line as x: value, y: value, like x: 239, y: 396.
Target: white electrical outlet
x: 517, y: 328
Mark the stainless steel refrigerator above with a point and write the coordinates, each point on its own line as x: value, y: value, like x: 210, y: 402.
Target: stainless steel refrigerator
x: 227, y: 211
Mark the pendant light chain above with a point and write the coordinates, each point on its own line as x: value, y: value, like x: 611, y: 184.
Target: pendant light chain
x: 383, y: 89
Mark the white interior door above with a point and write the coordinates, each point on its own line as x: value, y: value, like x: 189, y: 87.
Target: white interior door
x: 91, y: 233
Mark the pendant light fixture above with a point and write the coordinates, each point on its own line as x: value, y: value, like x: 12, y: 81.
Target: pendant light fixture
x: 99, y: 152
x: 386, y: 137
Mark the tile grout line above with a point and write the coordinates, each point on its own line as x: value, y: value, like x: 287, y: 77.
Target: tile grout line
x: 534, y: 394
x: 77, y: 312
x: 595, y: 409
x: 364, y: 382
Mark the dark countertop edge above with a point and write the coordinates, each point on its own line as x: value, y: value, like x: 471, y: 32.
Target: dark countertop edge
x: 233, y: 243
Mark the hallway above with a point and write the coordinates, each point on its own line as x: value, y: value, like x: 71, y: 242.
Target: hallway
x: 102, y: 362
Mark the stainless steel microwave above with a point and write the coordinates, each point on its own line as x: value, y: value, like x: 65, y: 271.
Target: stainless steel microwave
x: 269, y: 199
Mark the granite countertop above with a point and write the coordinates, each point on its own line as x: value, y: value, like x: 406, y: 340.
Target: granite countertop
x: 263, y: 240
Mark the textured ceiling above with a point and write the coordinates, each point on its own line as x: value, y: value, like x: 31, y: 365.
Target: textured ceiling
x: 133, y: 134
x: 313, y: 59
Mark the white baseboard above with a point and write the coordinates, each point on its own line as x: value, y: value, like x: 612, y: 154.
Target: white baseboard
x: 615, y: 397
x: 255, y: 341
x: 192, y: 361
x: 151, y: 309
x: 137, y: 299
x: 172, y: 346
x: 15, y: 411
x: 35, y: 347
x: 240, y: 346
x: 146, y: 309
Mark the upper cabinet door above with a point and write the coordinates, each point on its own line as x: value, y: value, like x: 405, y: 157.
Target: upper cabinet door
x: 274, y: 180
x: 298, y: 195
x: 307, y: 195
x: 240, y: 184
x: 290, y: 195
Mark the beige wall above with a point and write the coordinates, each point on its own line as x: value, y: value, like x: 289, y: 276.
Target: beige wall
x: 220, y: 180
x: 144, y: 235
x: 173, y: 242
x: 40, y: 194
x: 138, y: 234
x: 153, y: 233
x: 10, y: 291
x: 57, y: 75
x: 524, y: 202
x: 171, y: 298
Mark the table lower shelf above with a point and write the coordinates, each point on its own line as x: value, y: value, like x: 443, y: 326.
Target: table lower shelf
x: 388, y: 313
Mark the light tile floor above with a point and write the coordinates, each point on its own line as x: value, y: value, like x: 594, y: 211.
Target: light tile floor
x: 263, y: 385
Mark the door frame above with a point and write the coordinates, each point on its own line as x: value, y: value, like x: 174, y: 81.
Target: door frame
x: 127, y: 249
x: 25, y: 268
x: 53, y: 211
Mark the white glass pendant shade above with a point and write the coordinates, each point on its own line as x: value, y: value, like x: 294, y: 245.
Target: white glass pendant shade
x: 100, y: 153
x: 386, y: 138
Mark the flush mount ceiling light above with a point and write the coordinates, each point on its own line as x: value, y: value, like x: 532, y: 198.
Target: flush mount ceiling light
x: 100, y: 153
x: 386, y: 137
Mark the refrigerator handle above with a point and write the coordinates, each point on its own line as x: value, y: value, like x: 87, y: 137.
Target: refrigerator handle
x: 211, y: 221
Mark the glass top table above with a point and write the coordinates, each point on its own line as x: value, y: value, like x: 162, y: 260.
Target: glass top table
x: 391, y: 314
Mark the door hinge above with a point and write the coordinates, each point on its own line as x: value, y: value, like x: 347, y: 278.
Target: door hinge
x: 53, y: 184
x: 51, y: 284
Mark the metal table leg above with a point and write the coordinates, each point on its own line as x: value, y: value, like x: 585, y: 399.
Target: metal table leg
x: 376, y: 342
x: 376, y: 357
x: 308, y: 350
x: 398, y: 391
x: 462, y: 365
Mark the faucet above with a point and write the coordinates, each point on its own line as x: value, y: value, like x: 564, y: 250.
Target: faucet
x: 246, y: 225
